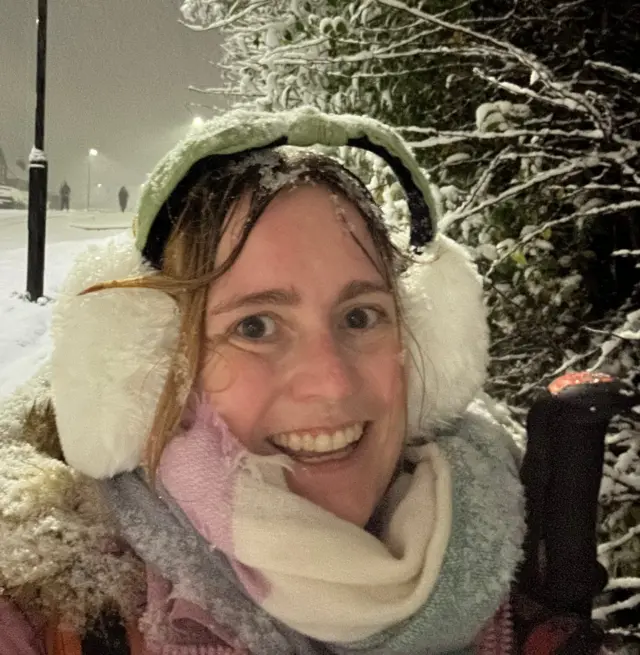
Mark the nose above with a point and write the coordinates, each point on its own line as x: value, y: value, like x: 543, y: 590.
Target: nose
x: 324, y: 370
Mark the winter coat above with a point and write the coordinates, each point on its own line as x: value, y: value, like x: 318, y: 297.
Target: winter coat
x: 61, y: 563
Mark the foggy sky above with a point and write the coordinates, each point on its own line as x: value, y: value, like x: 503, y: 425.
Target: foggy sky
x: 117, y: 77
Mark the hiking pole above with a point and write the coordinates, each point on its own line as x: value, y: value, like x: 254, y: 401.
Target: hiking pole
x: 561, y: 473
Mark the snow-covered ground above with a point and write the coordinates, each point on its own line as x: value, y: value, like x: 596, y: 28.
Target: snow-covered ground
x: 24, y: 339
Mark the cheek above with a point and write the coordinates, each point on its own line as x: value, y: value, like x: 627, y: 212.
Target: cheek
x: 383, y: 374
x: 387, y: 389
x: 241, y: 399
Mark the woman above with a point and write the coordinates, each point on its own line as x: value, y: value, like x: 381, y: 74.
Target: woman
x: 255, y: 433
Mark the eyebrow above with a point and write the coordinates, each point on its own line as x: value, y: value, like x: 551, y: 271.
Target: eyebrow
x: 290, y: 297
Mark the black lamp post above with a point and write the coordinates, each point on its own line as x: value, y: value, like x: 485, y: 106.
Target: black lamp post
x: 38, y: 172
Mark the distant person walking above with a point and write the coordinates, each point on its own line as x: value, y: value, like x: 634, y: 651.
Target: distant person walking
x: 65, y: 194
x: 123, y: 197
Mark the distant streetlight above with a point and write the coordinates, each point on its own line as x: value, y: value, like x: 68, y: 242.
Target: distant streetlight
x: 36, y: 222
x: 92, y: 153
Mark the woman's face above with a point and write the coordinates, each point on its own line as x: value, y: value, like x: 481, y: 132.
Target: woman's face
x: 310, y: 362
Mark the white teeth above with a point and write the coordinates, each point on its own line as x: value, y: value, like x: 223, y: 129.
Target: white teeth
x: 307, y: 442
x: 295, y: 442
x: 340, y: 438
x: 321, y: 443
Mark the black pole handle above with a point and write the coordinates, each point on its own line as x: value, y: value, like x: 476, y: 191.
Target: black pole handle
x: 561, y: 473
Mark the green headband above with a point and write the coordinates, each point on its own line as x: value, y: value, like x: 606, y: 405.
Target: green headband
x: 242, y: 130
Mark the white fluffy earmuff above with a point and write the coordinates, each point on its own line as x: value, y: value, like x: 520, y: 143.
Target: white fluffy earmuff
x: 447, y: 335
x: 111, y: 355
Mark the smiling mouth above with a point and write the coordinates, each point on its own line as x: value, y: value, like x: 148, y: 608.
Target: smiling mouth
x: 323, y: 447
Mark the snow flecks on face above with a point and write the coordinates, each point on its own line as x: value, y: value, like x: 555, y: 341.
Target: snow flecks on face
x: 338, y: 204
x: 272, y: 179
x: 338, y: 201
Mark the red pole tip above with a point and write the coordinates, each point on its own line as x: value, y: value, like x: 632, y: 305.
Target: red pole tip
x: 572, y: 379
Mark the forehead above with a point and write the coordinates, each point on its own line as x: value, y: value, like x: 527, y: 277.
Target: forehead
x: 309, y: 227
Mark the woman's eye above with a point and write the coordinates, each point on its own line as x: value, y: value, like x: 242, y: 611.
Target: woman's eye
x: 256, y: 327
x: 363, y: 318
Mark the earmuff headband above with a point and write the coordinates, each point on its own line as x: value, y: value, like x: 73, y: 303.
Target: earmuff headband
x: 243, y: 131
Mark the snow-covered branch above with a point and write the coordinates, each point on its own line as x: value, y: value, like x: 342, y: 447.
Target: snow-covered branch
x: 480, y: 187
x: 446, y: 137
x: 500, y: 46
x: 374, y: 56
x: 631, y: 482
x: 623, y: 583
x: 223, y: 91
x: 618, y: 70
x: 621, y: 541
x: 602, y: 613
x: 561, y: 171
x: 516, y: 89
x: 229, y: 20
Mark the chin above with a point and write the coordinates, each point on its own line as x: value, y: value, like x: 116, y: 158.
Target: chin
x: 350, y: 487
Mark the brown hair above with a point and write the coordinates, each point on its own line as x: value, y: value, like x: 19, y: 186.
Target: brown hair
x: 198, y: 213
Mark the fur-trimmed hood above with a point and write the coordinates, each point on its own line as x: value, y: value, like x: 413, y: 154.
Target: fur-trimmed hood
x: 59, y: 552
